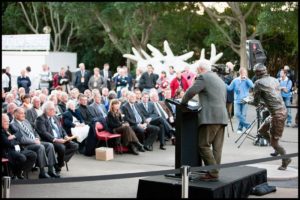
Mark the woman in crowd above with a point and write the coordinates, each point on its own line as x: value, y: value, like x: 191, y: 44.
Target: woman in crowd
x: 96, y: 81
x: 26, y: 101
x: 63, y: 80
x: 161, y: 84
x: 117, y: 124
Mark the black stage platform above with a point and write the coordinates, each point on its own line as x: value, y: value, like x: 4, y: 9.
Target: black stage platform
x: 234, y: 182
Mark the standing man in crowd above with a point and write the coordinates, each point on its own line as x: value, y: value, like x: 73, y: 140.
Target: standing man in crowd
x: 107, y: 75
x: 68, y: 74
x: 241, y: 86
x: 24, y: 81
x: 213, y: 117
x: 7, y: 71
x: 82, y: 78
x: 285, y: 86
x: 45, y: 78
x: 148, y: 79
x: 5, y: 81
x: 267, y: 89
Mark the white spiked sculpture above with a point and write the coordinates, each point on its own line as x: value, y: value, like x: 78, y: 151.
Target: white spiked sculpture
x: 161, y: 62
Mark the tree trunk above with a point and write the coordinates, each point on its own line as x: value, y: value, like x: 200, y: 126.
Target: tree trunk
x: 243, y: 38
x: 128, y: 64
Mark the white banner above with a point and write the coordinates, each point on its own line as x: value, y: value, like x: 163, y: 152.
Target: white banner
x: 26, y: 42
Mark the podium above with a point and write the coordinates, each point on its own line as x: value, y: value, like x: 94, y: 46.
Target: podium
x: 186, y: 149
x: 234, y: 182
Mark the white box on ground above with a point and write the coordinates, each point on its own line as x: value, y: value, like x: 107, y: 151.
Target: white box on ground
x: 104, y: 153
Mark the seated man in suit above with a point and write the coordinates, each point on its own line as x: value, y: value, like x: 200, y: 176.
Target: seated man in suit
x: 62, y: 103
x: 161, y: 107
x: 91, y: 114
x: 11, y: 107
x: 31, y: 140
x: 50, y: 130
x: 83, y: 109
x: 19, y: 158
x: 98, y: 111
x: 171, y: 107
x: 146, y: 133
x: 104, y: 98
x: 148, y: 111
x: 32, y: 113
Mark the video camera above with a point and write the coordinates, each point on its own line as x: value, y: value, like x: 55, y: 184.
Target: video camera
x: 220, y: 69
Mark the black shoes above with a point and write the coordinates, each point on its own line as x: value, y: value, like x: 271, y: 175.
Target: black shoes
x: 173, y: 141
x: 274, y: 154
x: 140, y: 147
x: 133, y: 149
x: 44, y: 175
x: 53, y: 174
x: 16, y: 177
x: 57, y: 168
x: 148, y: 147
x: 34, y: 169
x: 162, y: 147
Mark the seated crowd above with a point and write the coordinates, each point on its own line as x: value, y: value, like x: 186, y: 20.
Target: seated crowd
x: 45, y: 127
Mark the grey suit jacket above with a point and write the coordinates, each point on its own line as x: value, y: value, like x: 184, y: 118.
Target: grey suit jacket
x: 212, y: 96
x: 25, y: 139
x: 151, y: 110
x: 31, y: 116
x: 93, y: 108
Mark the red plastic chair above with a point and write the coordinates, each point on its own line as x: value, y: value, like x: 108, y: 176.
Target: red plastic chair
x: 102, y: 134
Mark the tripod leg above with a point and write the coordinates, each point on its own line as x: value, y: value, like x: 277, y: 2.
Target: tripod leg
x: 245, y: 131
x: 227, y: 131
x: 229, y: 116
x: 248, y: 133
x: 231, y: 124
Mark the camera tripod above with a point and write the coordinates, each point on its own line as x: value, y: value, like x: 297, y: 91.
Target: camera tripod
x: 259, y: 140
x: 229, y: 116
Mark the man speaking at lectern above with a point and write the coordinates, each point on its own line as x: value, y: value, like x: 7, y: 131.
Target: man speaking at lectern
x: 213, y: 117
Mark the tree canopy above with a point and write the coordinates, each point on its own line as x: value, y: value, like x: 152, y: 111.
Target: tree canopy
x: 103, y: 32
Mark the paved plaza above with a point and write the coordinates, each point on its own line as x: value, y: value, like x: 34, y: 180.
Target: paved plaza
x: 81, y: 165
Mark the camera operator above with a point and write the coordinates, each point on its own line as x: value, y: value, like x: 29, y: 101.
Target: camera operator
x: 228, y: 78
x: 226, y: 73
x: 241, y: 86
x: 267, y: 89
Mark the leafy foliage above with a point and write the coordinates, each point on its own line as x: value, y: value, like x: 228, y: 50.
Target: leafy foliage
x: 138, y: 23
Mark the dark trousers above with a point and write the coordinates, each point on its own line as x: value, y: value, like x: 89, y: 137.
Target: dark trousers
x: 164, y: 128
x: 146, y: 136
x: 23, y: 160
x: 65, y: 151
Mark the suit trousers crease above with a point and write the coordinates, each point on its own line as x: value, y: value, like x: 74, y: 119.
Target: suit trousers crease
x: 211, y: 135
